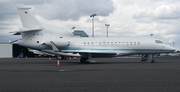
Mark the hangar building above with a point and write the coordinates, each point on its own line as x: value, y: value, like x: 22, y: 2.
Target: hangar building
x: 5, y: 50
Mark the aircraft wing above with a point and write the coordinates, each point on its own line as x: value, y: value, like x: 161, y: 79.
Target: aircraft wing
x: 62, y: 54
x: 87, y: 51
x: 100, y: 53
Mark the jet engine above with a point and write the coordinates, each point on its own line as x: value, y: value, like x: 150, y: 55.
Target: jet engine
x: 62, y: 42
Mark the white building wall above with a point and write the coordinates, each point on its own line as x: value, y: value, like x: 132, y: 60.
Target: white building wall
x: 5, y: 50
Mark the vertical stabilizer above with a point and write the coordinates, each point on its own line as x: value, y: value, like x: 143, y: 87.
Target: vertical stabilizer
x: 27, y: 18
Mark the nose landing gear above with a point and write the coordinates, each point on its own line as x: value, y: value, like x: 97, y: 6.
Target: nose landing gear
x: 152, y: 61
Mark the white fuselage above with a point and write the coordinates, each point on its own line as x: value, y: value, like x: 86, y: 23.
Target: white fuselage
x: 107, y: 46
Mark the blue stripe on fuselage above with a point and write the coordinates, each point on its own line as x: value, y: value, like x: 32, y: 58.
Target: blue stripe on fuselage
x: 100, y: 49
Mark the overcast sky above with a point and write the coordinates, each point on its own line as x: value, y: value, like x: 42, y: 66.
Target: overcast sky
x: 126, y: 17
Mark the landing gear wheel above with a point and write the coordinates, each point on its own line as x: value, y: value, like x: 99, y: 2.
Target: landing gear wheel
x: 153, y: 61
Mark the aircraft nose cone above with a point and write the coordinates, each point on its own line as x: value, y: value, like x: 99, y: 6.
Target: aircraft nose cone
x: 177, y: 50
x: 173, y: 49
x: 169, y: 48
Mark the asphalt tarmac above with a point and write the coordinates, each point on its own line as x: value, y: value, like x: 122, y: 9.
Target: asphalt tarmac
x: 106, y: 75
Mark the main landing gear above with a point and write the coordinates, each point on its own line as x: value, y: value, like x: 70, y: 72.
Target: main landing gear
x: 86, y: 60
x: 145, y: 58
x: 63, y: 57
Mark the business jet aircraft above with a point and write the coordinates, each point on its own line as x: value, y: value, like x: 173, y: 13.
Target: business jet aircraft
x: 35, y: 36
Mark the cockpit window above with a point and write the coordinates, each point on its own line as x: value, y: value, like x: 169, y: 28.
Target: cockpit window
x: 158, y: 41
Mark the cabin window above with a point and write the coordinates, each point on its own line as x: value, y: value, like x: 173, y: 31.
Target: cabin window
x: 115, y: 43
x: 96, y: 43
x: 107, y: 43
x: 138, y: 43
x: 134, y: 43
x: 112, y: 43
x: 122, y: 43
x: 99, y: 43
x: 119, y: 43
x: 130, y: 43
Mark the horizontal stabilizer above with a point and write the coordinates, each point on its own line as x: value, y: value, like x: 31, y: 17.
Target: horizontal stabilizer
x: 54, y: 46
x: 27, y: 30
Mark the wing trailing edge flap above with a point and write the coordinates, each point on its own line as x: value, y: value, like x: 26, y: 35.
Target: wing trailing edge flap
x: 92, y: 52
x: 54, y: 47
x: 101, y: 52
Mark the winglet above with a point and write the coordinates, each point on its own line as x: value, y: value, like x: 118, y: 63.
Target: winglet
x: 54, y: 46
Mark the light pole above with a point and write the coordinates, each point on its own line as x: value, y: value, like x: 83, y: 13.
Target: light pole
x: 151, y: 35
x: 107, y: 25
x: 93, y: 15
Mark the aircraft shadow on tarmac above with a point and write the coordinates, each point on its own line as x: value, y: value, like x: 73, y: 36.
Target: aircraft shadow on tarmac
x: 101, y: 62
x: 77, y: 62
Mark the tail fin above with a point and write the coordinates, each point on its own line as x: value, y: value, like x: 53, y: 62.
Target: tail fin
x: 29, y: 22
x: 27, y: 18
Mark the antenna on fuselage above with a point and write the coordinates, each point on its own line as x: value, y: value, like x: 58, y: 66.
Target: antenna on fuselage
x: 151, y: 35
x: 72, y: 31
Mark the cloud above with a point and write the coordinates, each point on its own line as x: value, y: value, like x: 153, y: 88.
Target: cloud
x: 74, y: 9
x: 167, y: 12
x: 126, y: 17
x: 162, y: 12
x: 7, y: 12
x: 163, y: 19
x: 58, y: 9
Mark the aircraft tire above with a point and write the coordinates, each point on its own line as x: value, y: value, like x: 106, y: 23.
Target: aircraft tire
x: 153, y: 61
